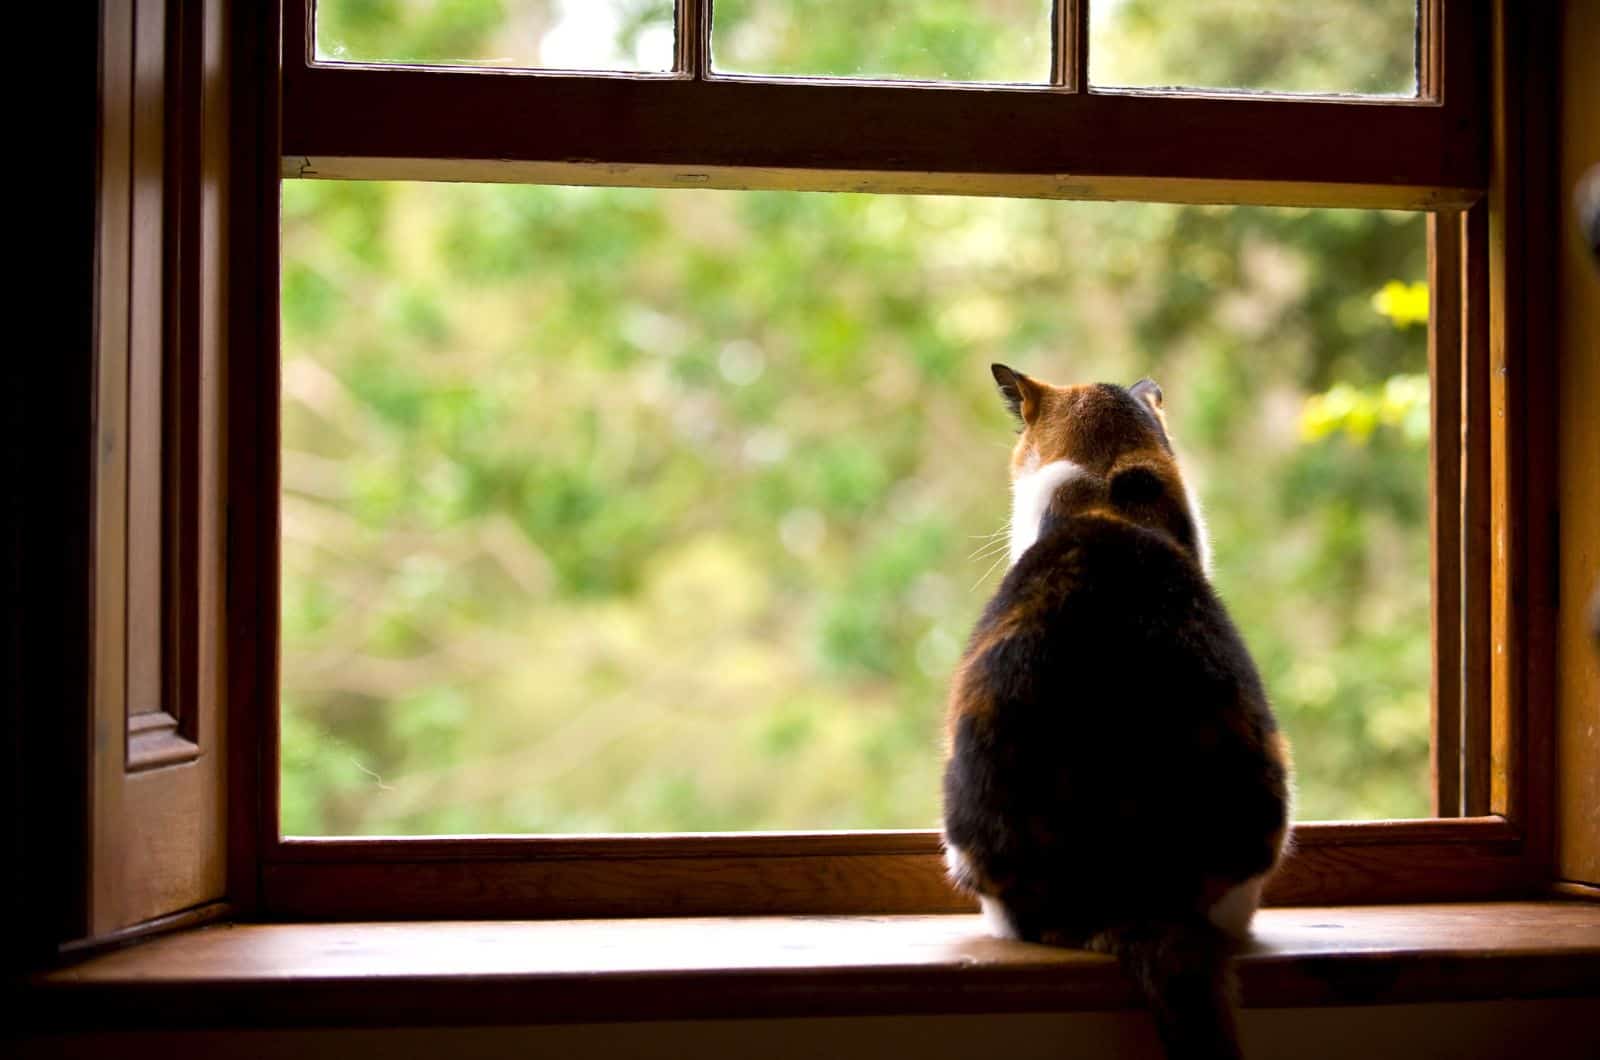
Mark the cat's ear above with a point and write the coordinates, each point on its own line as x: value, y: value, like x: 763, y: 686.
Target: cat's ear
x: 1147, y: 391
x: 1021, y: 394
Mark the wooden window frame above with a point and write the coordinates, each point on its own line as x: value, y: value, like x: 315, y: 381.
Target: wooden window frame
x: 1460, y: 150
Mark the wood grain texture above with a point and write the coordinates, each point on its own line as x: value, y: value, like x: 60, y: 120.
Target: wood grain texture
x: 864, y: 872
x: 1341, y: 149
x: 695, y: 885
x: 1478, y: 563
x: 155, y: 821
x: 1445, y: 557
x: 1522, y: 394
x: 571, y: 971
x: 114, y: 241
x: 251, y: 449
x: 897, y: 182
x: 692, y: 38
x: 145, y: 303
x: 1578, y: 718
x: 1573, y: 889
x: 1069, y: 61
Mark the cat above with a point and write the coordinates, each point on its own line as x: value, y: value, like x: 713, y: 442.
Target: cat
x: 1114, y: 776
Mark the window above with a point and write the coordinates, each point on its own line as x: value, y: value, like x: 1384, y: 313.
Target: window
x: 698, y: 127
x: 166, y: 836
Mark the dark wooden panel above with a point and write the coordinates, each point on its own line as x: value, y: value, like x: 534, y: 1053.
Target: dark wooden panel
x: 157, y: 800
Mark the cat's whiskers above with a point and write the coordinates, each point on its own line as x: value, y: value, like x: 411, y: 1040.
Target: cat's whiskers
x: 985, y: 550
x: 998, y: 560
x: 991, y: 542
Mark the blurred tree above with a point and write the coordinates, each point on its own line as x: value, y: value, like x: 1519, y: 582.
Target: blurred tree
x: 612, y: 509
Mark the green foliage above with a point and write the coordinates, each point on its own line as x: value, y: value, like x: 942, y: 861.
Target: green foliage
x: 520, y: 33
x: 1365, y: 46
x: 944, y: 40
x: 631, y: 510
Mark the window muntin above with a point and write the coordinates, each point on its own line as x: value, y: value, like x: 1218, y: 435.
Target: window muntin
x: 604, y: 513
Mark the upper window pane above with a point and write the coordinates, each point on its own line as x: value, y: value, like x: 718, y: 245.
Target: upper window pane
x: 921, y: 40
x: 1360, y: 47
x: 515, y: 34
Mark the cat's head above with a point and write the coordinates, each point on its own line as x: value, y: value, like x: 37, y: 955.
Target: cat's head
x: 1099, y: 447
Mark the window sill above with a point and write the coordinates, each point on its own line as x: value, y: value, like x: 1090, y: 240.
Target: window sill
x: 440, y: 973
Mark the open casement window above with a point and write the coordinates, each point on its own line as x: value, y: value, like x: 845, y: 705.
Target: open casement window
x: 691, y: 125
x: 205, y: 107
x: 156, y: 797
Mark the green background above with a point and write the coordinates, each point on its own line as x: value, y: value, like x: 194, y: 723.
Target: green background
x: 633, y: 510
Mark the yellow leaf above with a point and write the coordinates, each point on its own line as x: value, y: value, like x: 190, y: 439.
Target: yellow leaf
x: 1405, y: 304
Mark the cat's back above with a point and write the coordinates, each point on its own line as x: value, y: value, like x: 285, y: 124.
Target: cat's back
x: 1109, y: 727
x: 1103, y: 606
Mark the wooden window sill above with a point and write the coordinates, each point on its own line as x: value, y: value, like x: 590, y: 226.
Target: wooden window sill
x: 530, y: 972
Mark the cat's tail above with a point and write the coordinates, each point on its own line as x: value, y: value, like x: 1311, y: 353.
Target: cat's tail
x: 1184, y: 969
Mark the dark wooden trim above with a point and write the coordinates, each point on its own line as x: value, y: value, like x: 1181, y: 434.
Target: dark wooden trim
x: 145, y: 302
x: 1091, y: 145
x: 1577, y: 766
x: 1041, y: 186
x: 1478, y: 565
x: 607, y: 847
x: 792, y: 844
x: 799, y: 874
x: 1429, y: 49
x: 1523, y: 503
x: 1587, y: 892
x: 409, y: 975
x: 1069, y: 59
x: 1463, y: 567
x: 692, y: 43
x: 1445, y: 556
x: 183, y: 920
x: 250, y: 527
x: 692, y: 885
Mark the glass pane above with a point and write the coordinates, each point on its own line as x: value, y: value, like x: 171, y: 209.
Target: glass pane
x: 630, y: 510
x: 515, y: 34
x: 928, y: 40
x: 1364, y: 47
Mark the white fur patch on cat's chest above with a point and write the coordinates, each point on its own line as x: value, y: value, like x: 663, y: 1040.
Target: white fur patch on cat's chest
x: 1031, y: 492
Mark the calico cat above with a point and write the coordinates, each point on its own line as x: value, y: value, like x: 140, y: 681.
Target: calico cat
x: 1115, y: 778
